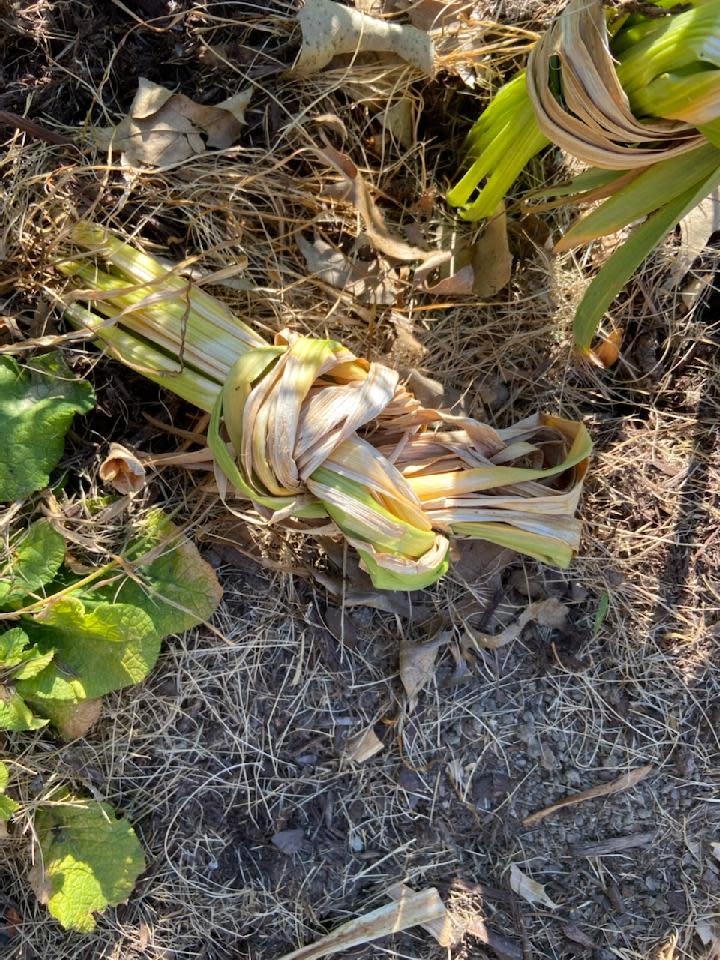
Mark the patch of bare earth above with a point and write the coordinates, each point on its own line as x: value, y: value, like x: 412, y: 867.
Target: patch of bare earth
x: 232, y: 761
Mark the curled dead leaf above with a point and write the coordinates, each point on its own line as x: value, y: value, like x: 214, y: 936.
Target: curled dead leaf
x: 357, y: 192
x: 330, y: 29
x: 370, y: 281
x: 73, y: 720
x: 417, y: 665
x: 122, y: 470
x: 547, y: 613
x: 164, y: 128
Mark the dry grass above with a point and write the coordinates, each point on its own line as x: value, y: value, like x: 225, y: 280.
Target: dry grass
x: 239, y: 732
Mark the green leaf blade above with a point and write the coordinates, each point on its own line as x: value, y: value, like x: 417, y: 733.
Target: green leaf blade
x: 177, y: 589
x: 37, y: 405
x: 624, y: 262
x: 91, y: 860
x: 98, y: 648
x: 36, y: 559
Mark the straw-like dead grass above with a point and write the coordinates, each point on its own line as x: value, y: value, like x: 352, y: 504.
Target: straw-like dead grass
x: 240, y: 732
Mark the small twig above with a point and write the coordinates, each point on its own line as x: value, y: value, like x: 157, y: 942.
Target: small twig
x: 34, y: 129
x: 612, y: 845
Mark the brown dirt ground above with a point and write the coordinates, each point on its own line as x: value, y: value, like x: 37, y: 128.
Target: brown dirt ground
x: 239, y: 733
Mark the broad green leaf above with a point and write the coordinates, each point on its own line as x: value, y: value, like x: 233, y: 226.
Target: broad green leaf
x: 37, y: 403
x: 18, y: 660
x: 660, y: 183
x: 177, y: 589
x: 12, y: 646
x: 7, y: 805
x: 14, y: 712
x: 625, y: 261
x: 99, y: 647
x: 35, y: 559
x: 91, y: 860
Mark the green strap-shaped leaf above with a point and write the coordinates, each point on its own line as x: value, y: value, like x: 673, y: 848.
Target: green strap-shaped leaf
x: 35, y: 559
x: 91, y: 859
x: 659, y: 184
x: 37, y: 403
x: 99, y: 647
x: 625, y: 261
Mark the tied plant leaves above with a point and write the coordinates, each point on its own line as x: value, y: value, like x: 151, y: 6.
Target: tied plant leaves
x: 90, y: 860
x: 37, y: 404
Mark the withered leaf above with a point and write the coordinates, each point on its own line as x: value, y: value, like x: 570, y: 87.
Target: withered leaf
x: 529, y: 889
x: 164, y: 128
x: 330, y: 29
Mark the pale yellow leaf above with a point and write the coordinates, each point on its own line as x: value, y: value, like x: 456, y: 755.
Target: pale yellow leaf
x: 330, y: 29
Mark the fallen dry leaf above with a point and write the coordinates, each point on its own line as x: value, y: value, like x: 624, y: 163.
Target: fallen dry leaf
x: 695, y: 232
x: 529, y: 889
x: 417, y: 666
x: 625, y: 782
x: 164, y: 128
x: 289, y: 841
x: 399, y: 120
x: 491, y: 257
x: 330, y: 29
x: 441, y: 928
x: 481, y: 269
x: 436, y: 14
x: 370, y: 281
x: 363, y: 746
x: 667, y: 950
x: 39, y: 881
x: 357, y: 192
x: 122, y: 470
x: 546, y: 613
x: 709, y: 933
x: 413, y: 910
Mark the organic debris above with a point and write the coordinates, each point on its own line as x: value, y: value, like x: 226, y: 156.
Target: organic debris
x: 330, y: 29
x: 165, y: 128
x: 529, y: 889
x: 625, y: 782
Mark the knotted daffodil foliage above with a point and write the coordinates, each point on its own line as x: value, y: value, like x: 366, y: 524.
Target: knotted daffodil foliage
x: 636, y: 96
x: 326, y: 442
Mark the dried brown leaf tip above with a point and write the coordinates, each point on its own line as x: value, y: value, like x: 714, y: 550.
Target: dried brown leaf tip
x: 122, y: 470
x: 624, y: 782
x: 164, y: 128
x: 363, y: 746
x: 330, y: 30
x: 423, y: 908
x: 529, y: 889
